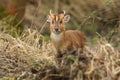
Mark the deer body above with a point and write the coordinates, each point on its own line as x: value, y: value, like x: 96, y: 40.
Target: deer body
x: 64, y: 40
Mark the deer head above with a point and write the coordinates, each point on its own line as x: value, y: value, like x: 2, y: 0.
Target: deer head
x: 57, y: 21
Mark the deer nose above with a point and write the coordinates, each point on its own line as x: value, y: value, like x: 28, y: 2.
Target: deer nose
x: 56, y: 29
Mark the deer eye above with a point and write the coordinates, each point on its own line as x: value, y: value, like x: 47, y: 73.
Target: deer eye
x: 61, y: 22
x: 52, y: 22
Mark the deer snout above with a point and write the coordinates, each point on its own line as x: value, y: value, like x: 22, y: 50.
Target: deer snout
x: 56, y: 29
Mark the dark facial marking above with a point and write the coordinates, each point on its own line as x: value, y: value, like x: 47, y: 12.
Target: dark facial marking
x: 57, y: 19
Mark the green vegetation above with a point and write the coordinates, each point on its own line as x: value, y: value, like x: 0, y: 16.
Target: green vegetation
x: 26, y: 54
x: 47, y: 38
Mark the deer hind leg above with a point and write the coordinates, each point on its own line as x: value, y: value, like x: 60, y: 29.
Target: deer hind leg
x: 58, y: 58
x: 72, y: 51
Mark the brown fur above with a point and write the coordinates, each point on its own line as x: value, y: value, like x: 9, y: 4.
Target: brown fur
x: 67, y: 40
x: 71, y: 40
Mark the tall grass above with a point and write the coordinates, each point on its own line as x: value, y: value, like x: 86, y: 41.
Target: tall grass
x: 26, y: 54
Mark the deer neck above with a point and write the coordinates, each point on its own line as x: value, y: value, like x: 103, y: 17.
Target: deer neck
x: 57, y: 37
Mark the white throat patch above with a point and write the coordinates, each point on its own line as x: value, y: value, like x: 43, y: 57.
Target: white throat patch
x: 56, y: 37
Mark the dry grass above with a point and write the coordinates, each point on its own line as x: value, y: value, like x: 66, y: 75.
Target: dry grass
x: 18, y: 54
x: 29, y: 57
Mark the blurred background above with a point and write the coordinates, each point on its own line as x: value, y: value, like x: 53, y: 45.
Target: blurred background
x: 89, y: 16
x: 27, y: 54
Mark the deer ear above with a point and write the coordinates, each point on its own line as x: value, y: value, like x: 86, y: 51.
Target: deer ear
x: 66, y: 18
x: 48, y: 18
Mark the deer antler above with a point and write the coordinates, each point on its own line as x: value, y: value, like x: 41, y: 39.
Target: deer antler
x: 64, y: 12
x: 50, y: 12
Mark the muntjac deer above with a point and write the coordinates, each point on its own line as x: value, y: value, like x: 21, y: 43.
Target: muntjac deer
x: 63, y: 40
